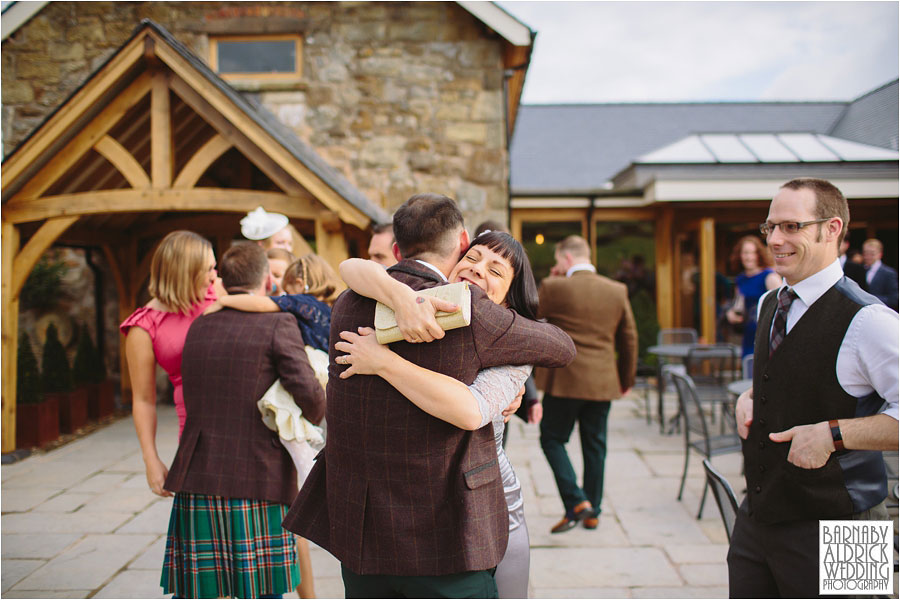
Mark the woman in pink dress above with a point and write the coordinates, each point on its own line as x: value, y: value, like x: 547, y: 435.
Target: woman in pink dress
x: 183, y: 283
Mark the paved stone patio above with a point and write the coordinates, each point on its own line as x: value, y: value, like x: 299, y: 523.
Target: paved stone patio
x: 80, y: 522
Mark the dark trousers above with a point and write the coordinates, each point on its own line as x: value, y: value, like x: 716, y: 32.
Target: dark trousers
x: 471, y: 584
x: 560, y: 416
x: 779, y: 560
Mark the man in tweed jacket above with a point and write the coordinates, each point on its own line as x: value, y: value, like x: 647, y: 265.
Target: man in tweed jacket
x: 596, y: 312
x: 411, y: 505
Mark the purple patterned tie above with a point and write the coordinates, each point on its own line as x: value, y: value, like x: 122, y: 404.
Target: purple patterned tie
x: 779, y: 325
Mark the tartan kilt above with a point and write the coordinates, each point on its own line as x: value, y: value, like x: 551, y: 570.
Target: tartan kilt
x: 228, y: 547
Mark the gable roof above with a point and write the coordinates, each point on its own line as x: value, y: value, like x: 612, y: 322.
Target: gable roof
x: 307, y: 160
x: 287, y: 138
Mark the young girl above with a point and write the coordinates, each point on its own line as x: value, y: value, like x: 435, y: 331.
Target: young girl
x: 279, y: 260
x: 497, y: 263
x: 311, y: 287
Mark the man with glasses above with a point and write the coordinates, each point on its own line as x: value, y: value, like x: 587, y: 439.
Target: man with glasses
x: 825, y: 391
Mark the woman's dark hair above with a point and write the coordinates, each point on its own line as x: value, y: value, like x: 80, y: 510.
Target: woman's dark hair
x: 522, y: 296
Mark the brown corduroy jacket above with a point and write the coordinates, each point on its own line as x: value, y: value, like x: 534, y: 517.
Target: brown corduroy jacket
x: 397, y: 491
x: 230, y: 359
x: 595, y: 311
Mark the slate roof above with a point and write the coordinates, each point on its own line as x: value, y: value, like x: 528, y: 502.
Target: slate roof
x: 577, y: 149
x: 871, y: 118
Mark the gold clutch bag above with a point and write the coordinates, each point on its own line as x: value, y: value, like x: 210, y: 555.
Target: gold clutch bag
x: 386, y: 330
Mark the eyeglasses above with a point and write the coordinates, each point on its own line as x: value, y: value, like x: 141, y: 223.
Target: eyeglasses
x: 788, y: 227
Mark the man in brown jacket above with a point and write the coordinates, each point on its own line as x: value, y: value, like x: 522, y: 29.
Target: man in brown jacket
x: 594, y: 310
x: 411, y: 505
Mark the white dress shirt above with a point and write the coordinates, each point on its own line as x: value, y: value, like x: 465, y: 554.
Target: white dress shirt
x: 869, y: 357
x: 581, y: 267
x: 433, y: 268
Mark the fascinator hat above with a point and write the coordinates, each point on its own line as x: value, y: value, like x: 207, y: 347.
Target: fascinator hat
x: 261, y: 225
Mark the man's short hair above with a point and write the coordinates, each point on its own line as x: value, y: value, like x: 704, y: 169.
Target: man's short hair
x: 243, y: 267
x: 575, y: 245
x: 427, y: 224
x: 383, y: 228
x: 875, y: 243
x: 830, y: 202
x: 490, y: 225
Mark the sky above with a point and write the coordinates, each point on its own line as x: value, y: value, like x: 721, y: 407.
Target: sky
x: 706, y: 51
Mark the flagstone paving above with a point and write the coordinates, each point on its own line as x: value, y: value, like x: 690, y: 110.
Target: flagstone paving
x: 80, y: 522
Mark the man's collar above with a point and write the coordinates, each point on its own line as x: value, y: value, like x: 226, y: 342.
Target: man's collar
x: 811, y: 289
x: 418, y: 268
x: 581, y: 267
x: 433, y: 268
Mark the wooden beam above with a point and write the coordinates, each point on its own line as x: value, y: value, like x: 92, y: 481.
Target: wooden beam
x: 230, y: 132
x: 130, y: 201
x: 665, y: 294
x: 61, y: 121
x: 34, y: 248
x: 330, y: 242
x: 201, y: 160
x: 85, y: 140
x: 123, y: 261
x: 160, y: 132
x: 122, y: 160
x: 100, y: 180
x: 707, y: 291
x: 9, y: 337
x: 261, y: 138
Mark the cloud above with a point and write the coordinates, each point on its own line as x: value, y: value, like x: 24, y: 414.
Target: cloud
x: 659, y: 51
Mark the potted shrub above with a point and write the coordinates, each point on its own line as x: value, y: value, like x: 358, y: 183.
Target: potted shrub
x: 56, y: 381
x: 37, y: 417
x: 89, y: 373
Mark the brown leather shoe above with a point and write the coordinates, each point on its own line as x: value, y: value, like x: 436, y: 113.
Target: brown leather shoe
x: 579, y: 513
x: 591, y: 522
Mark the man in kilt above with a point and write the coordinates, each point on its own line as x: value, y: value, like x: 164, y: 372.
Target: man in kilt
x: 232, y: 478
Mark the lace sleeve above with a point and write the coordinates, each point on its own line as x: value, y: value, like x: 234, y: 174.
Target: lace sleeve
x: 495, y: 388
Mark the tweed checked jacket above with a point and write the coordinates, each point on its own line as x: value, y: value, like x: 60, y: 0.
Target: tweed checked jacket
x: 397, y: 491
x: 230, y: 359
x: 595, y: 311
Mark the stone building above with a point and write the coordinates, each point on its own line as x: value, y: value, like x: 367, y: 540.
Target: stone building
x: 123, y: 121
x: 399, y: 97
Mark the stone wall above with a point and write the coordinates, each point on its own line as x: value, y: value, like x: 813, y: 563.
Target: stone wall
x: 401, y: 97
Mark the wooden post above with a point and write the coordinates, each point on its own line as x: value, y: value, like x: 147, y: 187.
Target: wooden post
x: 124, y: 266
x: 10, y: 336
x: 707, y: 289
x: 160, y: 132
x: 330, y: 242
x: 665, y: 296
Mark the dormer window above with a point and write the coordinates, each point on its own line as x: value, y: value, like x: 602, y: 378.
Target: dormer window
x: 256, y: 56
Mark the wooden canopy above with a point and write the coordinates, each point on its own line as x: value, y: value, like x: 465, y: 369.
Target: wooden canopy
x: 154, y: 141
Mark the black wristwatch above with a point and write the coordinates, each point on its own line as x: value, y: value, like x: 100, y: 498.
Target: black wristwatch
x: 836, y: 436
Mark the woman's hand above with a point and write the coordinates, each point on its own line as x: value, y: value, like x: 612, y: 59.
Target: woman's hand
x: 364, y: 354
x: 415, y: 316
x: 156, y: 477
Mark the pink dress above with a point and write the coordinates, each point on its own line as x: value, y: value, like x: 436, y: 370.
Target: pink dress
x: 168, y: 331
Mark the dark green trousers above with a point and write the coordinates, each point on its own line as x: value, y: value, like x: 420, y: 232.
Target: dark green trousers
x: 471, y: 584
x: 560, y: 416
